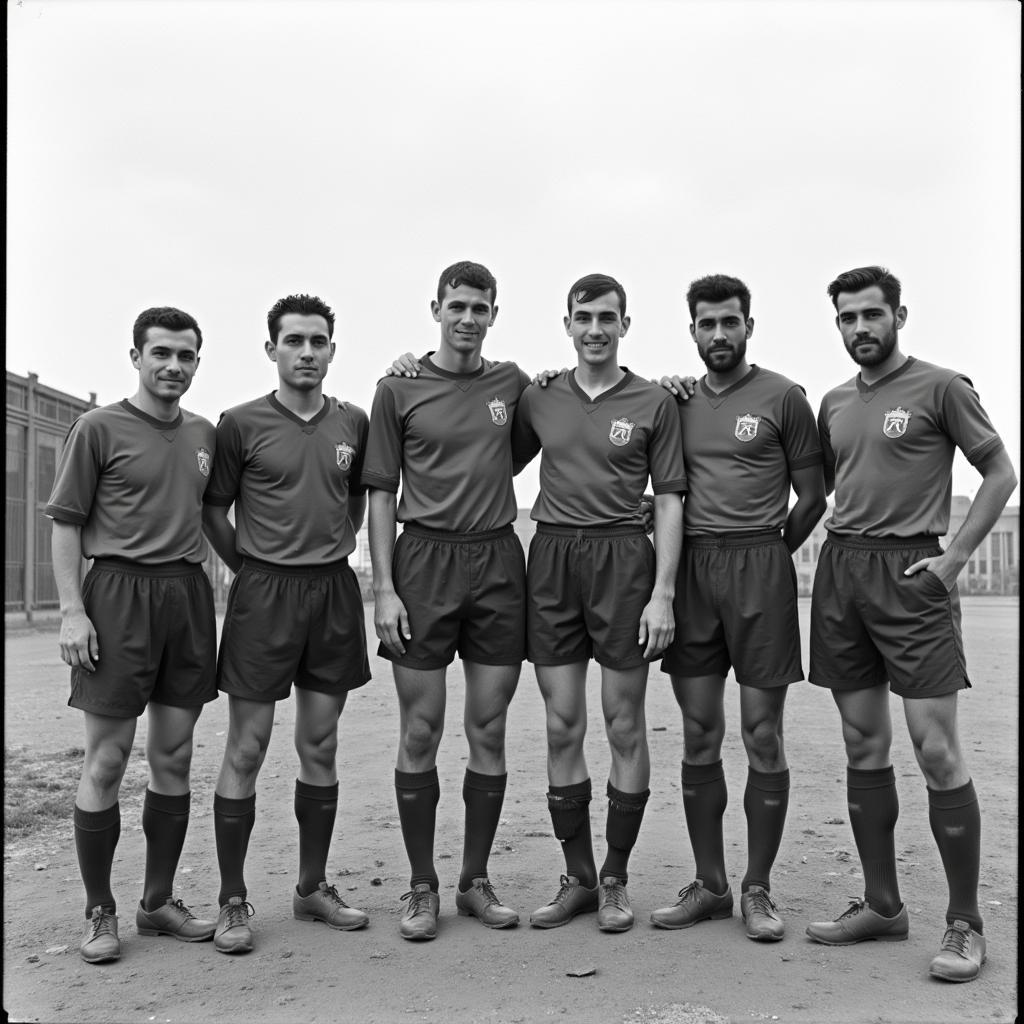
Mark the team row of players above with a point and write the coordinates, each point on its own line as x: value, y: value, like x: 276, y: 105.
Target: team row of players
x: 140, y: 482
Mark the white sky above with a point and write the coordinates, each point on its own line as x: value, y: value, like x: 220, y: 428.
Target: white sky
x: 216, y: 156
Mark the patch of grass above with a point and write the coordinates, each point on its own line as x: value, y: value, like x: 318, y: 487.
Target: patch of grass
x: 39, y: 789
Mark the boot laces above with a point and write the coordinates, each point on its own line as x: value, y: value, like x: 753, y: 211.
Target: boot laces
x: 238, y: 914
x: 615, y: 894
x: 102, y: 922
x: 419, y: 901
x: 955, y: 941
x: 760, y: 902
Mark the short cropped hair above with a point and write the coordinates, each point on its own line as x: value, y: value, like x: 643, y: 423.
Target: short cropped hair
x: 864, y: 277
x: 476, y: 275
x: 306, y: 305
x: 588, y: 288
x: 717, y: 288
x: 168, y: 317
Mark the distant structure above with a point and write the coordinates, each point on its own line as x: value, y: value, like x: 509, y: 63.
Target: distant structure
x: 38, y: 418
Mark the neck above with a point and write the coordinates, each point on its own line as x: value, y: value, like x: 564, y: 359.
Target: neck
x: 596, y: 379
x: 457, y: 362
x: 721, y: 381
x: 305, y: 404
x: 873, y: 374
x: 145, y: 402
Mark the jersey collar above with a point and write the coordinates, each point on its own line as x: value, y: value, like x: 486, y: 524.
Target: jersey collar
x: 887, y: 379
x: 162, y: 425
x: 714, y: 396
x: 613, y: 390
x: 447, y: 374
x: 311, y: 423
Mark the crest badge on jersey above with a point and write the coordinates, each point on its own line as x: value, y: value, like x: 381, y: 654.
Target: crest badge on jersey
x: 896, y: 422
x: 746, y: 427
x: 343, y: 454
x: 621, y: 432
x: 203, y: 460
x: 499, y: 413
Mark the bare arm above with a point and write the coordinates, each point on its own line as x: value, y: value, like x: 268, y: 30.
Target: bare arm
x: 79, y: 645
x: 997, y: 484
x: 356, y: 510
x: 390, y: 618
x: 809, y: 484
x: 657, y: 623
x: 221, y: 534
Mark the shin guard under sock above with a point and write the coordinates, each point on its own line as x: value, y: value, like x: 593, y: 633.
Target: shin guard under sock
x: 955, y: 819
x: 316, y: 808
x: 483, y: 796
x: 164, y: 824
x: 705, y: 798
x: 232, y: 825
x: 418, y: 794
x: 569, y: 807
x: 765, y: 802
x: 874, y: 807
x: 625, y: 815
x: 96, y: 835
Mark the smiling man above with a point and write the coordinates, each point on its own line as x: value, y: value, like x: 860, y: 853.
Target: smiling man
x: 748, y: 437
x: 289, y: 462
x: 885, y: 614
x: 139, y: 633
x: 453, y: 582
x: 596, y: 586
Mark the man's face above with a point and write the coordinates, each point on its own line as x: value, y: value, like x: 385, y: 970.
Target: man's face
x: 868, y: 325
x: 167, y: 362
x: 303, y: 350
x: 596, y: 328
x: 721, y: 333
x: 464, y: 314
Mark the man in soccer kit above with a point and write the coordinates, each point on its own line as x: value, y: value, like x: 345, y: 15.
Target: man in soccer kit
x: 453, y: 581
x: 749, y: 435
x: 289, y: 463
x: 885, y: 608
x: 139, y: 632
x: 596, y: 587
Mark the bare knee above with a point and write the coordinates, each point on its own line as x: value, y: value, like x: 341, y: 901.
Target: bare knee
x: 940, y: 761
x: 318, y: 753
x: 245, y: 752
x: 763, y: 743
x: 565, y: 735
x: 866, y: 749
x: 104, y: 766
x: 702, y: 740
x: 421, y: 737
x: 625, y: 734
x: 487, y: 739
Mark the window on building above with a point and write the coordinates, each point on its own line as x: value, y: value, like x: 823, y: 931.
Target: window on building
x: 17, y: 396
x: 46, y: 467
x: 46, y: 407
x: 995, y: 546
x: 1009, y: 548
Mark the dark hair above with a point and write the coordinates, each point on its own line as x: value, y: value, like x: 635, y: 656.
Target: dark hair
x: 588, y: 288
x: 717, y: 288
x: 476, y: 275
x: 864, y: 277
x: 307, y: 305
x: 169, y: 318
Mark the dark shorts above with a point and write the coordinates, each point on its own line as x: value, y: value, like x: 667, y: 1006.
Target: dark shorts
x: 463, y: 592
x: 736, y: 608
x: 157, y: 638
x: 870, y: 623
x: 587, y: 590
x: 292, y: 624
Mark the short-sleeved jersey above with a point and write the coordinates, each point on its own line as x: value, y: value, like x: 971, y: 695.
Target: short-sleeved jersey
x: 290, y: 479
x: 889, y: 448
x: 597, y: 454
x: 135, y: 484
x: 447, y: 437
x: 740, y: 447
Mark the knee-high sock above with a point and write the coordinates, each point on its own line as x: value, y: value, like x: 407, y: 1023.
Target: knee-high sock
x: 418, y: 794
x: 569, y: 807
x: 164, y: 824
x: 316, y: 808
x: 956, y: 824
x: 625, y: 815
x: 96, y: 835
x: 232, y: 825
x: 483, y: 796
x: 765, y: 801
x: 705, y: 797
x: 874, y: 808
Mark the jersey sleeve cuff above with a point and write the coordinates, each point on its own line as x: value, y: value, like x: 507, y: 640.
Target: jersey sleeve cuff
x: 671, y: 487
x: 65, y: 515
x: 221, y: 500
x: 810, y: 459
x: 985, y: 451
x: 378, y: 482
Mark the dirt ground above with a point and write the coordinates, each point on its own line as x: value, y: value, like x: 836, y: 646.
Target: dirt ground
x: 710, y: 974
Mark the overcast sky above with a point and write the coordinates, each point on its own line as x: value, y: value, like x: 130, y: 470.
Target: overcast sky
x: 216, y: 156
